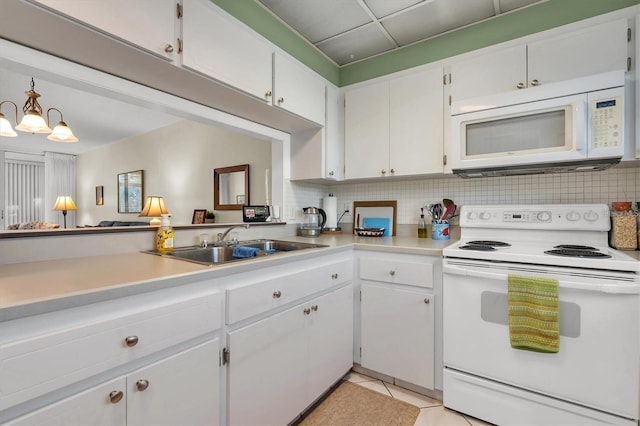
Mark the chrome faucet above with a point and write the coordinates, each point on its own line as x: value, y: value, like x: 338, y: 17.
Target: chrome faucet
x: 222, y: 236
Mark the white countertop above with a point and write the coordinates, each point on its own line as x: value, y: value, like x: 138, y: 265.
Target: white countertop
x: 36, y: 287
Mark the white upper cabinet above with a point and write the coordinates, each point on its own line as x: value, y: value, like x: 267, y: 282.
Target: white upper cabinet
x: 597, y: 49
x: 395, y: 128
x: 149, y: 24
x: 217, y: 46
x: 297, y: 89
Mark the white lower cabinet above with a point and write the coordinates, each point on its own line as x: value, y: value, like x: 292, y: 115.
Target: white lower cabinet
x: 399, y: 315
x: 279, y: 365
x: 397, y: 332
x: 180, y: 389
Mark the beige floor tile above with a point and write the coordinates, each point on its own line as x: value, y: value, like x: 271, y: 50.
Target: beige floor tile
x: 476, y: 422
x: 354, y: 377
x: 375, y: 385
x: 440, y: 416
x: 411, y: 397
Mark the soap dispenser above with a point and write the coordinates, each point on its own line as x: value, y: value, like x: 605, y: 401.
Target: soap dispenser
x: 422, y: 225
x: 164, y: 235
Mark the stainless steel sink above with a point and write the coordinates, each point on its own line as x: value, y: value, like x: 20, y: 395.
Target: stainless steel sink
x: 215, y: 255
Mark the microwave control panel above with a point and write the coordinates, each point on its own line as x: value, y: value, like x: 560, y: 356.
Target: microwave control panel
x: 606, y: 122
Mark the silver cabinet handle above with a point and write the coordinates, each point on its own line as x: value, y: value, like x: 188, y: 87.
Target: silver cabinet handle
x: 131, y: 341
x: 334, y: 276
x: 280, y: 100
x: 427, y: 300
x: 392, y: 171
x: 168, y: 48
x: 115, y: 396
x: 392, y: 272
x: 331, y: 173
x: 267, y: 94
x: 383, y: 171
x: 277, y: 294
x: 520, y: 85
x: 314, y: 308
x: 306, y: 311
x: 142, y: 384
x: 535, y: 83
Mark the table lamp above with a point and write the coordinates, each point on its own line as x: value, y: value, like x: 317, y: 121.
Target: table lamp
x: 63, y: 204
x: 154, y: 208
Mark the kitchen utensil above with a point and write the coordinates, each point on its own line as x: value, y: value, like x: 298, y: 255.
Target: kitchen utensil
x: 451, y: 208
x: 435, y: 210
x: 313, y: 220
x: 446, y: 203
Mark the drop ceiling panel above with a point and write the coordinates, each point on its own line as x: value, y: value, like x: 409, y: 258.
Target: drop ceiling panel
x: 318, y: 20
x: 382, y: 8
x: 351, y: 30
x: 435, y: 18
x: 359, y: 44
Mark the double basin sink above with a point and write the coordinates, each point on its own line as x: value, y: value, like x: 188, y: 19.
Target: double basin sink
x: 214, y: 255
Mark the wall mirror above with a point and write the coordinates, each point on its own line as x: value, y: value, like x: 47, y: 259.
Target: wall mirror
x: 130, y: 191
x: 231, y: 187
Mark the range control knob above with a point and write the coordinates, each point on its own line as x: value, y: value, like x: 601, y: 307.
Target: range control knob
x: 485, y: 215
x: 544, y: 216
x: 472, y: 215
x: 591, y: 216
x: 573, y: 216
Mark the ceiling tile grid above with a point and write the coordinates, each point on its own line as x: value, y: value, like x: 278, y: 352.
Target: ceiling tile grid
x: 347, y: 31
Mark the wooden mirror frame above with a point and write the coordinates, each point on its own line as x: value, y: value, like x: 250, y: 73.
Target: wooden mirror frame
x: 216, y: 188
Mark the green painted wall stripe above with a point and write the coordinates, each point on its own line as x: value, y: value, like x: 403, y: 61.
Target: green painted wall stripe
x: 540, y: 17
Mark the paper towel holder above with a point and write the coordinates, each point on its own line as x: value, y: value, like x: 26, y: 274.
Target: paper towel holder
x: 331, y: 230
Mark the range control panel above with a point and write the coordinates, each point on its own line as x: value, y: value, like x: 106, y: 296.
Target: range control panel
x: 593, y: 217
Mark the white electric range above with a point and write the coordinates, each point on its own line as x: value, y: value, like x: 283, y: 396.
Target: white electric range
x: 595, y: 376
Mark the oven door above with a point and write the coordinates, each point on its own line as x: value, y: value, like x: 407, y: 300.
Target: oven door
x: 598, y: 364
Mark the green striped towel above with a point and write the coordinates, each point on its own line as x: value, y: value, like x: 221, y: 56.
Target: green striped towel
x: 533, y: 314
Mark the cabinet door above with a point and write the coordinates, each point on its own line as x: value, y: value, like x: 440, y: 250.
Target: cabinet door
x: 416, y: 123
x: 149, y: 24
x: 330, y: 340
x: 334, y: 135
x: 593, y: 50
x: 495, y: 72
x: 91, y: 407
x: 181, y: 389
x: 216, y: 45
x: 267, y: 367
x: 297, y: 89
x: 367, y: 131
x: 397, y: 332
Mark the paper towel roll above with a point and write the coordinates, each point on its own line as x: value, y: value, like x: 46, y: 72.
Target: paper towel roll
x: 330, y: 207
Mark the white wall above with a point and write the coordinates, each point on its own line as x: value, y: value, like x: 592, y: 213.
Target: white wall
x: 178, y: 162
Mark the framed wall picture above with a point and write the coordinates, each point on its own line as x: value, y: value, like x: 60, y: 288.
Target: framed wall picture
x: 130, y: 191
x: 99, y: 195
x: 198, y: 216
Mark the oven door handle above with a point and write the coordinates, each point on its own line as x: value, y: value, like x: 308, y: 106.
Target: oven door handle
x: 615, y: 287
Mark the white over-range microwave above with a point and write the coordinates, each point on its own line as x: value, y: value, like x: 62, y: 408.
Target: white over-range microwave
x: 571, y: 125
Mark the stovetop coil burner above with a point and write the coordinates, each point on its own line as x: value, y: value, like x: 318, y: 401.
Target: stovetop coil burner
x: 484, y: 245
x: 578, y: 253
x: 574, y: 247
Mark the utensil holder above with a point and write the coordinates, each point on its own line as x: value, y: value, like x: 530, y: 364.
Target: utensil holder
x: 440, y: 230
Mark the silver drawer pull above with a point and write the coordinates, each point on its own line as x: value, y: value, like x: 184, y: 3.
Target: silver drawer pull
x: 392, y: 272
x: 131, y: 341
x: 142, y: 384
x: 115, y: 396
x: 427, y: 301
x: 168, y: 48
x: 334, y: 276
x: 306, y: 311
x: 277, y: 294
x: 314, y: 308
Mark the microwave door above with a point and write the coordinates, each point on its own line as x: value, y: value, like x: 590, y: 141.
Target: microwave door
x: 533, y: 133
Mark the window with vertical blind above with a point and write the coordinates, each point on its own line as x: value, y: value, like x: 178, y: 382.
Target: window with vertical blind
x: 24, y: 181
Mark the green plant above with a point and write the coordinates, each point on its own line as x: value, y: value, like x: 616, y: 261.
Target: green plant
x: 210, y: 215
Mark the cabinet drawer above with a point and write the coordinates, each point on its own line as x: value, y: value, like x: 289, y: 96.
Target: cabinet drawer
x: 92, y: 344
x: 253, y: 299
x: 398, y: 272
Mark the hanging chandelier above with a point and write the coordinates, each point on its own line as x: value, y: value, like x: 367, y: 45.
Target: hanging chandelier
x: 33, y: 120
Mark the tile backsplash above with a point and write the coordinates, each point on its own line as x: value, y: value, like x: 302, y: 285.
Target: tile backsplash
x: 616, y: 184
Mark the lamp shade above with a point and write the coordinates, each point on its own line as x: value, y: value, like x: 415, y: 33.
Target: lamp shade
x: 154, y: 207
x: 33, y: 122
x: 5, y: 127
x: 62, y: 133
x: 64, y: 203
